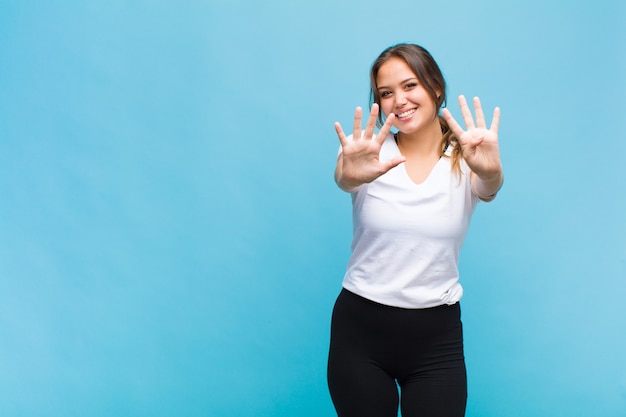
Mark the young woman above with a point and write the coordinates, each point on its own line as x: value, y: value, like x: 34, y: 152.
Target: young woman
x: 396, y: 333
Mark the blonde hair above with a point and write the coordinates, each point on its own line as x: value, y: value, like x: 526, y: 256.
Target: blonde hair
x: 449, y: 139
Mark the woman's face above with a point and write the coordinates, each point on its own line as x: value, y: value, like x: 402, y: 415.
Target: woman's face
x: 401, y: 93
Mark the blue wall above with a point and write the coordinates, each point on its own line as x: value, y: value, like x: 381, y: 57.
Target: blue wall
x: 171, y: 240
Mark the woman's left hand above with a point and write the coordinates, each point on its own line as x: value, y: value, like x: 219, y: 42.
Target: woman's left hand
x: 479, y: 144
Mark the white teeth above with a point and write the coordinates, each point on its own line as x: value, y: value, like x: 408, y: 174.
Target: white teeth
x: 406, y: 113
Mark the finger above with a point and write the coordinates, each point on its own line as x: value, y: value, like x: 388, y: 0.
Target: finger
x: 384, y: 131
x: 340, y: 134
x: 392, y: 163
x: 465, y: 111
x: 452, y: 123
x: 480, y: 117
x: 356, y: 130
x: 371, y: 122
x: 495, y: 123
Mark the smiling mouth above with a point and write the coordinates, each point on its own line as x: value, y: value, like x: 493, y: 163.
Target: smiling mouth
x: 405, y: 114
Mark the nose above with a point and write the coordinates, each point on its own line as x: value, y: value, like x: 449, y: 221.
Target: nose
x: 400, y: 99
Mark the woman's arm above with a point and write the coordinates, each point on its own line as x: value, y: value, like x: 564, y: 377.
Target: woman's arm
x: 486, y: 189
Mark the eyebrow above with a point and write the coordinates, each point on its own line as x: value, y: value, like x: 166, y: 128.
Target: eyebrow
x: 401, y: 82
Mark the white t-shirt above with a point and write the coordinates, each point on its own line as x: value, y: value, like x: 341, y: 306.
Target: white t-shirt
x: 407, y: 236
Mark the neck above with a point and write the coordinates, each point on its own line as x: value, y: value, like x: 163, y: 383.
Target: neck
x: 424, y: 142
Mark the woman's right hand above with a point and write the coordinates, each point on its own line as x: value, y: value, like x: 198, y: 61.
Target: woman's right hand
x: 359, y: 161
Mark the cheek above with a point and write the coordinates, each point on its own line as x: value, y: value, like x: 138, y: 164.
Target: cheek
x: 386, y: 107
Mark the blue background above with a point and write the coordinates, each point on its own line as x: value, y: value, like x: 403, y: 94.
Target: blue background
x: 172, y: 242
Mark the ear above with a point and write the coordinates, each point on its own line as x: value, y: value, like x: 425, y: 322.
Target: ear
x: 440, y: 99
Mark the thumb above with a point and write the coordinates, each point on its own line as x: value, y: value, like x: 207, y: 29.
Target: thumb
x: 392, y: 163
x: 472, y: 141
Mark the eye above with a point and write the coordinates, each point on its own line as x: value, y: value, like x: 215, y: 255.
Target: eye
x: 410, y: 85
x: 385, y: 94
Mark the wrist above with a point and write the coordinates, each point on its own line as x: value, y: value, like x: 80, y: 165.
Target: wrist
x: 347, y: 186
x: 491, y: 177
x: 487, y: 186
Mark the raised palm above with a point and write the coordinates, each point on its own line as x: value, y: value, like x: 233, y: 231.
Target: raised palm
x: 479, y: 144
x: 360, y: 156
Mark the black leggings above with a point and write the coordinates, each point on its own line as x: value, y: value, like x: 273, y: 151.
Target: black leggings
x: 374, y: 349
